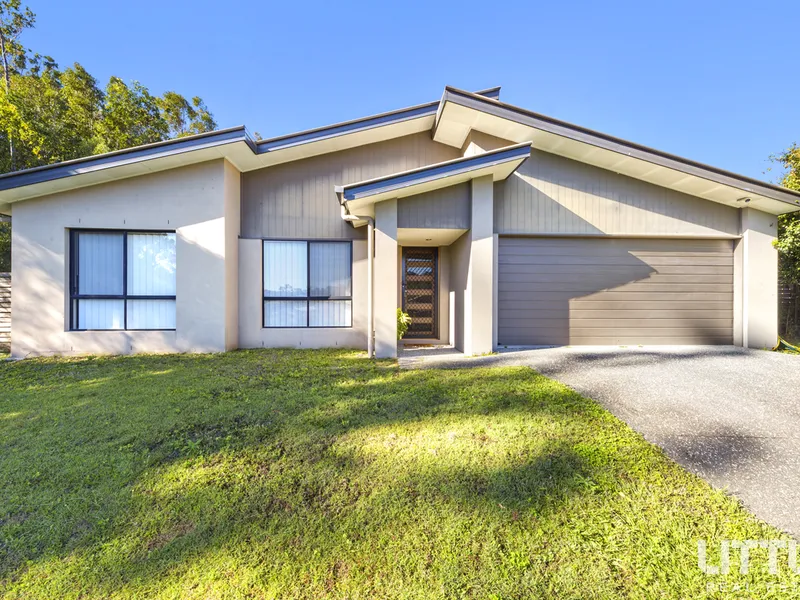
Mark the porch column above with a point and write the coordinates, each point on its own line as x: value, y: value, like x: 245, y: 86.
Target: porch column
x: 756, y: 281
x: 386, y: 276
x: 479, y: 301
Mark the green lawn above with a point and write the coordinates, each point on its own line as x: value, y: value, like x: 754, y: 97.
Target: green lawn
x: 314, y: 474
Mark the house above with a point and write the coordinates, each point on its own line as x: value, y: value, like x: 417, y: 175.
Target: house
x: 491, y: 225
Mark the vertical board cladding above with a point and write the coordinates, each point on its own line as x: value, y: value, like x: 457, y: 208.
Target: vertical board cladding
x: 5, y: 309
x: 446, y: 208
x: 550, y: 194
x: 297, y: 201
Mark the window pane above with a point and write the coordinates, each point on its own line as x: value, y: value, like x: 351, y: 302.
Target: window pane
x: 329, y: 313
x: 151, y: 314
x: 151, y: 264
x: 285, y: 269
x: 285, y: 313
x: 101, y: 314
x: 99, y: 264
x: 330, y: 268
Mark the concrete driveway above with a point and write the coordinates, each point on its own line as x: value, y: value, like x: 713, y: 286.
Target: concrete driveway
x: 728, y: 414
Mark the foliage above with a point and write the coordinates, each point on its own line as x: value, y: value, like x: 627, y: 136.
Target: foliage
x: 403, y: 321
x: 49, y: 115
x: 788, y: 243
x: 5, y: 246
x: 310, y: 474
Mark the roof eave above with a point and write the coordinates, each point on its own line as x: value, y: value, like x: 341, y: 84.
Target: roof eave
x: 460, y: 167
x: 690, y: 167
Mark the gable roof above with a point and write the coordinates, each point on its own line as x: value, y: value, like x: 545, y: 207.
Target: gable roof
x: 450, y: 120
x: 460, y: 112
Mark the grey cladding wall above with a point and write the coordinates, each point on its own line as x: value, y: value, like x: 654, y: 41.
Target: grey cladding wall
x: 447, y: 208
x: 551, y: 194
x: 296, y: 200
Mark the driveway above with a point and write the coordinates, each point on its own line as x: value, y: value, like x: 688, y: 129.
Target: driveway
x: 730, y: 415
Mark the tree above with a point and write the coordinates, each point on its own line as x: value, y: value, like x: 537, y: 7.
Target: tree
x: 788, y: 243
x: 13, y: 21
x: 5, y: 245
x: 184, y: 118
x: 130, y: 117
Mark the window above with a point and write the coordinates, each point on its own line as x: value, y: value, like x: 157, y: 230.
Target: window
x: 122, y: 280
x: 307, y: 284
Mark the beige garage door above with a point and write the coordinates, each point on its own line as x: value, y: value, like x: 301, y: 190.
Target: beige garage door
x: 554, y: 291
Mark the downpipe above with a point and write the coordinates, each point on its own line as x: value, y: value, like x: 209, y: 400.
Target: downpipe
x: 346, y: 216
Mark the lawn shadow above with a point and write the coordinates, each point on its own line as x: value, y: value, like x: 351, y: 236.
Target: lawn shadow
x: 255, y: 452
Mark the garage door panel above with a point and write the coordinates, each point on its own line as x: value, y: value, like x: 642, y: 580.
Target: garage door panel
x: 625, y: 323
x: 560, y: 269
x: 620, y: 251
x: 510, y: 315
x: 586, y: 288
x: 602, y: 305
x: 595, y: 279
x: 629, y: 296
x: 513, y: 245
x: 559, y: 338
x: 629, y: 260
x: 622, y: 291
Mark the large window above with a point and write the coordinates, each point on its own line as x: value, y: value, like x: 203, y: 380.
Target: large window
x: 307, y: 284
x: 122, y: 280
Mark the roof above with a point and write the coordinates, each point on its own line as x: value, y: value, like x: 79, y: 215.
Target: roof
x: 450, y: 120
x: 461, y: 111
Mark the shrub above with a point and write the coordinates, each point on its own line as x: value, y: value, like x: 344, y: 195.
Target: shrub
x: 403, y: 321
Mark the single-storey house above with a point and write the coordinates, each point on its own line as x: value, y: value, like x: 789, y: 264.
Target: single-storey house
x: 489, y: 224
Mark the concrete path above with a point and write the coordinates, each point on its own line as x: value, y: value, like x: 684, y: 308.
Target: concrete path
x: 728, y: 414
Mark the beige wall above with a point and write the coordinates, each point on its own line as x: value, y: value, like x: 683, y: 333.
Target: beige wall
x: 296, y: 200
x: 756, y: 276
x: 251, y: 303
x: 553, y: 195
x: 197, y: 201
x: 479, y: 308
x: 387, y: 279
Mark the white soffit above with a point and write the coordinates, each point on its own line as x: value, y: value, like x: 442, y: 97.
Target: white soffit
x: 408, y: 236
x: 343, y: 142
x: 237, y: 153
x: 455, y: 122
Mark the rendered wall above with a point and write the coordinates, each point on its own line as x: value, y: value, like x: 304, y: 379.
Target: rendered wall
x: 387, y: 256
x: 252, y: 334
x: 756, y: 281
x: 199, y: 202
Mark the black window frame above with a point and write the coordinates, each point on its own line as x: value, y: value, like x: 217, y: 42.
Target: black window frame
x: 308, y: 298
x: 74, y: 279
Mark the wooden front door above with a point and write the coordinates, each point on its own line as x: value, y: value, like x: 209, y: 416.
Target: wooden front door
x: 420, y: 291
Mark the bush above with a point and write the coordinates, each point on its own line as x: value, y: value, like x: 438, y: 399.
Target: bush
x: 403, y: 321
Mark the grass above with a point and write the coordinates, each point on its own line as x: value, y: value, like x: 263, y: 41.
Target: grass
x: 308, y: 474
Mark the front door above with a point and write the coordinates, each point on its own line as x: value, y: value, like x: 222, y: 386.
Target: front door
x: 420, y: 291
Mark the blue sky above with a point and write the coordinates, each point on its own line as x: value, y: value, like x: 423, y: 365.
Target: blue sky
x: 711, y: 81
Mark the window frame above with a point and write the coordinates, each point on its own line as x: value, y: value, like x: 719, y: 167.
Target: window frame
x: 74, y: 278
x: 308, y: 298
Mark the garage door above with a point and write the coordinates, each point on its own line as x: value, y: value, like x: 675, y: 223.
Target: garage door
x: 554, y: 291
